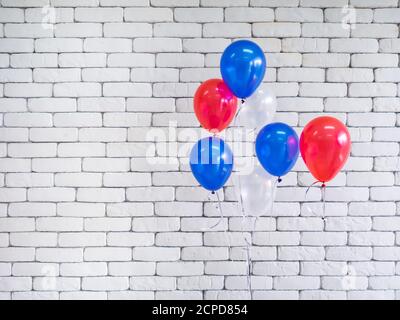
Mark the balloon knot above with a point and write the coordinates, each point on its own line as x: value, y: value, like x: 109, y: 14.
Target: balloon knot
x: 212, y: 192
x: 323, y: 185
x: 279, y: 180
x: 243, y: 101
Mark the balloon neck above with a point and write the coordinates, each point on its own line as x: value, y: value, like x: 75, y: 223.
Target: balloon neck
x: 279, y: 180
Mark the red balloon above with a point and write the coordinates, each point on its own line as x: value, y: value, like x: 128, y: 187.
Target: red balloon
x: 214, y: 105
x: 325, y: 146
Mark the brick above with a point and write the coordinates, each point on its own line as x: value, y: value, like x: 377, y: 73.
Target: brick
x: 374, y: 60
x: 35, y: 269
x: 78, y: 30
x: 130, y: 239
x: 19, y: 75
x: 389, y: 45
x: 326, y: 60
x: 59, y: 254
x: 27, y: 30
x: 82, y: 60
x: 324, y: 30
x: 153, y: 283
x: 375, y: 31
x: 179, y: 60
x: 53, y: 134
x: 323, y: 3
x: 98, y: 14
x: 77, y: 120
x: 305, y: 45
x: 12, y: 195
x: 372, y: 89
x: 15, y: 90
x: 299, y: 15
x: 102, y: 134
x: 323, y: 90
x: 155, y: 75
x: 348, y: 253
x: 107, y: 45
x: 205, y: 45
x: 31, y: 209
x: 148, y: 14
x: 59, y: 45
x: 12, y: 15
x: 296, y: 282
x: 101, y: 104
x: 16, y: 45
x: 11, y: 254
x: 276, y: 29
x: 57, y: 75
x: 174, y: 3
x: 97, y: 194
x: 33, y: 239
x: 132, y: 268
x: 108, y: 254
x: 105, y: 283
x: 157, y: 45
x: 29, y: 180
x: 249, y: 14
x: 186, y: 30
x: 199, y: 15
x: 58, y: 15
x: 156, y: 254
x: 127, y: 89
x: 108, y: 224
x: 127, y: 30
x: 373, y: 4
x: 301, y: 74
x: 349, y: 75
x: 51, y: 104
x: 301, y: 253
x: 72, y: 89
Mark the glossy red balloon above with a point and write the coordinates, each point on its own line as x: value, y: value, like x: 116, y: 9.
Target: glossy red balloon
x: 325, y: 146
x: 214, y: 105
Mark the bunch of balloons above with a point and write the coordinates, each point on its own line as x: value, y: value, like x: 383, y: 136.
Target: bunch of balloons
x: 243, y: 67
x: 324, y: 143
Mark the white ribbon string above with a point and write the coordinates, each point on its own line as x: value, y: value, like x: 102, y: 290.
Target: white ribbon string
x: 249, y: 262
x: 323, y: 195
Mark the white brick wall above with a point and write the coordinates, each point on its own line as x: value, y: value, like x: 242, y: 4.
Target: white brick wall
x: 85, y: 215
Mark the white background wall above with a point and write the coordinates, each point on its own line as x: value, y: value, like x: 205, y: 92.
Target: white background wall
x: 83, y: 214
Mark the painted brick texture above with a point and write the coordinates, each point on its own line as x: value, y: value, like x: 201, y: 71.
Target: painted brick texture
x: 96, y: 121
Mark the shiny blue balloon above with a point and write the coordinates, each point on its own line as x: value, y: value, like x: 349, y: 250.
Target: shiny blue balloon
x: 277, y: 148
x: 211, y: 161
x: 243, y: 66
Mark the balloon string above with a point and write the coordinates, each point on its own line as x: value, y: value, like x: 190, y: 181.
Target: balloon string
x: 323, y: 188
x: 249, y: 263
x: 323, y: 193
x: 308, y: 189
x: 219, y: 221
x: 239, y: 187
x: 273, y: 194
x: 221, y: 215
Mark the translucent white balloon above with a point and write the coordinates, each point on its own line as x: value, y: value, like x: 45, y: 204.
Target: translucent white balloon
x: 257, y: 191
x: 258, y: 110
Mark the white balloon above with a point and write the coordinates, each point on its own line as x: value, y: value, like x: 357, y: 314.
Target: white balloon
x: 256, y: 191
x: 258, y: 110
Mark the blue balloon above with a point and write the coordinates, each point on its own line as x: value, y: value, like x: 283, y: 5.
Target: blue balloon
x: 277, y: 148
x: 243, y: 66
x: 211, y: 161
